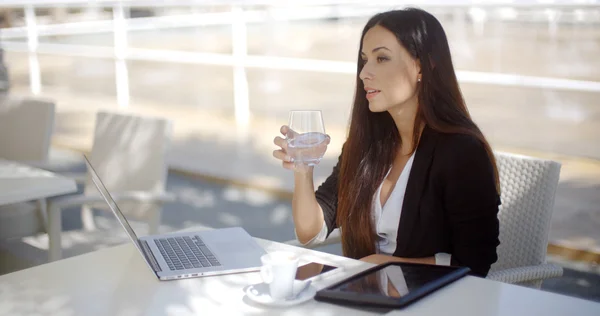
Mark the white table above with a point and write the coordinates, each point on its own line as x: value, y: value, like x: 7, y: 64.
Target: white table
x: 21, y: 183
x: 115, y: 281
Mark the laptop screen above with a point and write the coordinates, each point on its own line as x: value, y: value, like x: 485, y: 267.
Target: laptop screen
x: 113, y: 206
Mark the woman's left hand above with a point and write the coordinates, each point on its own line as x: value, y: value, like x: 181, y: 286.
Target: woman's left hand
x: 380, y: 259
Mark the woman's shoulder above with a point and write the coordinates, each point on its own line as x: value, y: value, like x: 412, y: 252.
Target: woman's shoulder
x: 459, y: 143
x: 454, y: 149
x: 462, y: 157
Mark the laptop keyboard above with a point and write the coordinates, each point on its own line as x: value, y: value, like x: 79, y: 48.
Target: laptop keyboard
x: 186, y: 253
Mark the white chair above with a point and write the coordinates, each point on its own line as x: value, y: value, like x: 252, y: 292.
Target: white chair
x: 129, y: 154
x: 528, y: 187
x: 26, y: 127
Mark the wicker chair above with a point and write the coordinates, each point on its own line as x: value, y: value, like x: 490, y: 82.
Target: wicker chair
x: 528, y: 187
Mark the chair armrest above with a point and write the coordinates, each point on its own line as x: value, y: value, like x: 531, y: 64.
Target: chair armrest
x: 528, y: 273
x: 333, y: 238
x: 131, y: 196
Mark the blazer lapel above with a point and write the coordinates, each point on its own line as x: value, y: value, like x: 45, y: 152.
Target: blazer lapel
x: 414, y: 188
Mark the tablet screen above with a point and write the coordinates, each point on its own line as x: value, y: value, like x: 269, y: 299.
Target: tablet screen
x: 394, y: 280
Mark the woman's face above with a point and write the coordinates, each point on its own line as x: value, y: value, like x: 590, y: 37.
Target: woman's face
x: 390, y: 75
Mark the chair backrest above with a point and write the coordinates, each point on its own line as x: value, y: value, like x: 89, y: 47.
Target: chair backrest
x: 129, y: 153
x: 26, y: 127
x: 528, y: 188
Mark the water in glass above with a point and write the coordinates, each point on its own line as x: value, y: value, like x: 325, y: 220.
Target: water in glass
x: 306, y: 139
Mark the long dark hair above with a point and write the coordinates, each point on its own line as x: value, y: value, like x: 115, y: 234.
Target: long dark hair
x: 373, y: 139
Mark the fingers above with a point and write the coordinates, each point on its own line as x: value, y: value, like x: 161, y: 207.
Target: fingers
x: 280, y: 142
x: 287, y: 162
x: 287, y: 131
x: 282, y: 155
x: 322, y: 147
x: 288, y: 165
x: 325, y: 143
x: 284, y: 130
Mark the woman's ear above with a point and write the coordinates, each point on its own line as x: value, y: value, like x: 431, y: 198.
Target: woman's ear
x: 418, y: 68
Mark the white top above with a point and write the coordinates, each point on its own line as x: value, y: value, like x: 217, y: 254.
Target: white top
x: 386, y: 219
x: 116, y: 281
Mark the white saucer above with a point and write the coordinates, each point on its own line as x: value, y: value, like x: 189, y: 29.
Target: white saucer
x: 259, y: 293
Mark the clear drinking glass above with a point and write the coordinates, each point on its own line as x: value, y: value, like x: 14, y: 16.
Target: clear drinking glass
x: 306, y: 137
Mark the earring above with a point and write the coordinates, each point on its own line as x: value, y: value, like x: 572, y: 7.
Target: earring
x: 418, y: 79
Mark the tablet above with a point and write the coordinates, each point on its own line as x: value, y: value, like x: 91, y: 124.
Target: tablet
x: 391, y: 285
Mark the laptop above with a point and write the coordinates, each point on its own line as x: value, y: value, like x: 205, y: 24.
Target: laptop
x: 191, y: 254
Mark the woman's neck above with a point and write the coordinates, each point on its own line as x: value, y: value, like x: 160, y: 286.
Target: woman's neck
x: 404, y: 117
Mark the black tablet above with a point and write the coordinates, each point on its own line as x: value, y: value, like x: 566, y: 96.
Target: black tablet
x: 391, y: 285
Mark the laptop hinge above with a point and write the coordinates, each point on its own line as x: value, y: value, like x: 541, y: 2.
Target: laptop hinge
x: 150, y: 256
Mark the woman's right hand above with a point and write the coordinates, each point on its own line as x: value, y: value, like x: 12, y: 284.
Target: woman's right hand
x: 306, y: 211
x: 283, y: 155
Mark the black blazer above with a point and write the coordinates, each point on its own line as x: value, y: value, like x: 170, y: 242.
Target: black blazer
x: 450, y: 204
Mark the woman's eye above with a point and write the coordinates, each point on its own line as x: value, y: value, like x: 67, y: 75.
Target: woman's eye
x: 382, y: 59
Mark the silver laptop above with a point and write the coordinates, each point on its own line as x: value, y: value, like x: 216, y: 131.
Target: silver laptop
x: 193, y: 254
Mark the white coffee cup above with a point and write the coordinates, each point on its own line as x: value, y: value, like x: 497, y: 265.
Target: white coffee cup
x: 279, y: 272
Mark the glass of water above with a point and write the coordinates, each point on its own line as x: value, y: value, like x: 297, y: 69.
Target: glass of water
x: 306, y: 138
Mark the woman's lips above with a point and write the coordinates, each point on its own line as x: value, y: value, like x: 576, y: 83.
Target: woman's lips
x: 371, y: 93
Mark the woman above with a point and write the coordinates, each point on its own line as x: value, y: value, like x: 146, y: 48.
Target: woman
x: 416, y: 179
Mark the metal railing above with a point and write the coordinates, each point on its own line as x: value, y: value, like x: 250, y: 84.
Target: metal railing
x: 238, y: 15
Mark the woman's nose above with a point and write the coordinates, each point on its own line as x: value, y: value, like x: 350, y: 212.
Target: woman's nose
x: 365, y: 73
